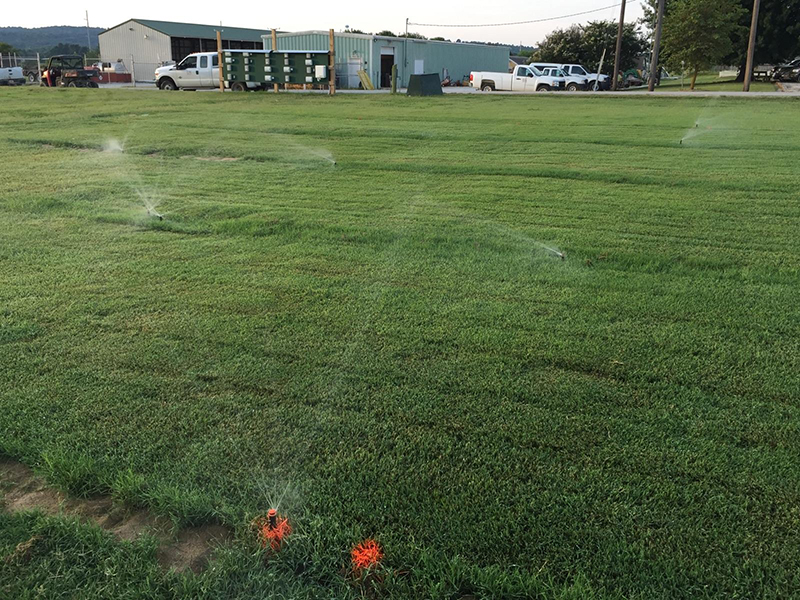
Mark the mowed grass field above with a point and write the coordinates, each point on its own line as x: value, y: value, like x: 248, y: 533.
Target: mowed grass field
x: 386, y: 348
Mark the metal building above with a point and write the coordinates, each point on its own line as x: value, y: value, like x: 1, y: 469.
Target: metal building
x: 376, y: 54
x: 148, y: 44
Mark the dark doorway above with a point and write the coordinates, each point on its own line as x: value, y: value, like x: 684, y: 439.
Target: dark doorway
x: 387, y: 60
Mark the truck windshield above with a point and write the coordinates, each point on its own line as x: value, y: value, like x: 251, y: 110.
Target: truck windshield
x: 578, y: 71
x: 190, y: 62
x: 535, y: 71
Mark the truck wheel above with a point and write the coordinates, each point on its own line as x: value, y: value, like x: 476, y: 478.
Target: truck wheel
x: 72, y: 84
x: 238, y: 86
x: 543, y: 88
x: 93, y: 84
x: 167, y: 84
x: 487, y: 87
x: 31, y: 77
x: 572, y: 87
x: 797, y: 79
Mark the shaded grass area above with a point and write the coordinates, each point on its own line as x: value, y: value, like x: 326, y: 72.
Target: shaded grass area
x: 387, y: 348
x: 712, y: 82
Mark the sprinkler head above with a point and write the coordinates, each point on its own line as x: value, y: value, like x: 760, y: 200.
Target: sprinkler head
x: 272, y: 517
x: 681, y: 143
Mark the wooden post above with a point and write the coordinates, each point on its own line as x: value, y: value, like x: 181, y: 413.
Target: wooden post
x: 331, y: 64
x: 133, y: 72
x: 599, y: 70
x: 219, y: 60
x: 39, y: 67
x: 274, y: 48
x: 751, y: 46
x: 619, y: 45
x: 651, y: 85
x: 394, y: 78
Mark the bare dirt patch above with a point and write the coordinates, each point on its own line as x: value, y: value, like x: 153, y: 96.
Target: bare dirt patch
x: 214, y: 158
x: 187, y: 548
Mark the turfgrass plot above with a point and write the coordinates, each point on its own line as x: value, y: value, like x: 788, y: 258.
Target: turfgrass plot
x: 387, y: 347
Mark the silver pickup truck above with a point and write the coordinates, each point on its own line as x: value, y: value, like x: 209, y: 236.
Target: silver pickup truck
x: 12, y: 76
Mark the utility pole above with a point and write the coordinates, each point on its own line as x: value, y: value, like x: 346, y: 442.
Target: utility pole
x: 651, y: 85
x: 88, y: 35
x: 619, y: 45
x: 751, y: 46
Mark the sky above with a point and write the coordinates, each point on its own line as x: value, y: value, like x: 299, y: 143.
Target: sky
x: 313, y: 14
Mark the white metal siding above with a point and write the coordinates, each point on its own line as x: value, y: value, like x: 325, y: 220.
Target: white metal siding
x: 148, y: 47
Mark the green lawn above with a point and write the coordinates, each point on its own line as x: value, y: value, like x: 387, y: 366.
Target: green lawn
x: 388, y: 344
x: 711, y: 82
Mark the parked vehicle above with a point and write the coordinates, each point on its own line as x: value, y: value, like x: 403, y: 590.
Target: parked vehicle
x: 595, y: 83
x: 574, y: 82
x: 523, y: 79
x: 787, y: 72
x: 66, y: 70
x: 633, y: 78
x: 12, y: 76
x: 197, y: 71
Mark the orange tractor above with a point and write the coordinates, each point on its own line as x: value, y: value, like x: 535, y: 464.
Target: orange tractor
x: 67, y: 71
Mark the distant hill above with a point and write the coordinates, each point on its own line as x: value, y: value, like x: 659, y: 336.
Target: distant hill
x: 40, y: 39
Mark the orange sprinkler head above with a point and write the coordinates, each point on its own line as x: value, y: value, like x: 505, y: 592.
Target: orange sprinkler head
x: 366, y: 555
x: 273, y: 529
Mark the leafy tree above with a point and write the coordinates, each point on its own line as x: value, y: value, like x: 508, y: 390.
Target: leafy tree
x: 778, y: 31
x: 386, y: 33
x: 7, y: 48
x: 700, y: 32
x: 415, y: 36
x: 352, y: 30
x: 585, y: 45
x: 561, y: 46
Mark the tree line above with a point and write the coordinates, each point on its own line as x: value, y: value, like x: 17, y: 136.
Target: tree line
x: 697, y: 34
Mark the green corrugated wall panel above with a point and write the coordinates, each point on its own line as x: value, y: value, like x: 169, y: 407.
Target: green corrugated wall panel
x: 458, y: 59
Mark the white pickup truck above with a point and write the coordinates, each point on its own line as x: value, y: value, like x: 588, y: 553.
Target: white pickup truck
x: 196, y: 71
x: 523, y: 79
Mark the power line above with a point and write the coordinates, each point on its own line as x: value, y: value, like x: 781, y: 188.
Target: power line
x: 577, y: 14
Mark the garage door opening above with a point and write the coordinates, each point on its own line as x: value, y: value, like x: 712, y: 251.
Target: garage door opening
x: 387, y: 61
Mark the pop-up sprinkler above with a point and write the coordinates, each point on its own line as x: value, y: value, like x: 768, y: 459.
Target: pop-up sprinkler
x: 365, y: 555
x: 272, y: 529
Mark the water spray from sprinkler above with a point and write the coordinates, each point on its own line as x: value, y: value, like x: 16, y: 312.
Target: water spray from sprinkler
x: 152, y: 212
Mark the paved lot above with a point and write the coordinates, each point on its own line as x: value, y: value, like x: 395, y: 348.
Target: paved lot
x: 790, y: 89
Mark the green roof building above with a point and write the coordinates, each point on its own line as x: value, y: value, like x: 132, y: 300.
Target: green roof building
x: 144, y: 44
